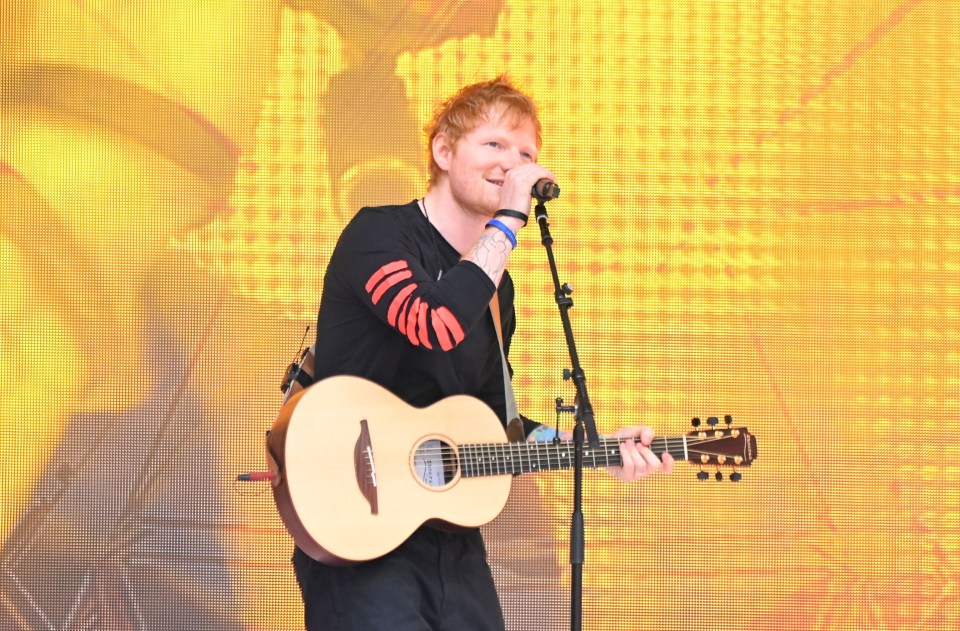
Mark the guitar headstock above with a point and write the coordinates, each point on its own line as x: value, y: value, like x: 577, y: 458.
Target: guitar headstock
x: 717, y: 447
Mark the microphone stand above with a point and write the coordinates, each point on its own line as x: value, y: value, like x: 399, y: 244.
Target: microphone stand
x: 583, y: 421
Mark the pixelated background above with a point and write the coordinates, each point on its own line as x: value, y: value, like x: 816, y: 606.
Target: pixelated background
x: 758, y: 219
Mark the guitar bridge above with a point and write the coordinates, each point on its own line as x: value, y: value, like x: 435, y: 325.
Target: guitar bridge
x: 365, y: 467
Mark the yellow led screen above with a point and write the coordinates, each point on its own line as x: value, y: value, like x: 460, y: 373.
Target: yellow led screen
x: 758, y: 218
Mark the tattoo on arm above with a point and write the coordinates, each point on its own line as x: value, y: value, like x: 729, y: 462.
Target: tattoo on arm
x: 490, y: 253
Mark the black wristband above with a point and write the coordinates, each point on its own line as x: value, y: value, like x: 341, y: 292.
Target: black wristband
x: 516, y: 214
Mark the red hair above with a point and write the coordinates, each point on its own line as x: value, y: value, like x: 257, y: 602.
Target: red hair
x: 477, y: 103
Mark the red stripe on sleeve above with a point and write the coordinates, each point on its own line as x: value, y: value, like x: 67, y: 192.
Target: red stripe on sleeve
x: 452, y: 324
x: 389, y: 268
x: 443, y: 336
x: 422, y: 327
x: 397, y: 304
x: 402, y: 317
x: 389, y: 282
x: 412, y: 322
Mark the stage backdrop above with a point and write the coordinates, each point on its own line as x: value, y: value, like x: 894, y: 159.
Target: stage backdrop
x: 758, y: 218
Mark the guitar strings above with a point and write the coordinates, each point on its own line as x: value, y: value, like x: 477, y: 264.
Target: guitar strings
x: 669, y: 444
x: 504, y: 457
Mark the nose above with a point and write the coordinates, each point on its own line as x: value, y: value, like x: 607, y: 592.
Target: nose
x: 510, y: 158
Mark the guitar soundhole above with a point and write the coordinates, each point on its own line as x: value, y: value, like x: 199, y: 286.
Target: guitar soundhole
x: 435, y: 463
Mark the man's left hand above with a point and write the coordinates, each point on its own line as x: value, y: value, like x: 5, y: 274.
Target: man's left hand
x: 638, y: 460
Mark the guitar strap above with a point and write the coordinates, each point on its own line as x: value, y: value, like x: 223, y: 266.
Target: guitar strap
x: 515, y: 431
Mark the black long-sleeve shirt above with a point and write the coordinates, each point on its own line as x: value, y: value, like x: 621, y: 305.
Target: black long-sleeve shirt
x: 401, y: 309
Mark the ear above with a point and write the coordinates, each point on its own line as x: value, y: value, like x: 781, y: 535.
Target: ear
x: 442, y: 151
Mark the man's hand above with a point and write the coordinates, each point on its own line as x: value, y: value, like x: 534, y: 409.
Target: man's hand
x: 638, y: 460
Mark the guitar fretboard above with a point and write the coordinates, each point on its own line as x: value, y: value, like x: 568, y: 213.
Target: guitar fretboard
x: 512, y: 458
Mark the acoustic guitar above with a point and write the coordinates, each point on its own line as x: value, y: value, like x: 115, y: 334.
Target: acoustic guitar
x: 356, y: 470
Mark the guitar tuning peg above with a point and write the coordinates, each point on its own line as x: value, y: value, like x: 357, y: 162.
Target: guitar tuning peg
x: 695, y: 421
x: 712, y: 421
x: 703, y: 475
x: 719, y: 476
x: 728, y: 419
x: 735, y: 476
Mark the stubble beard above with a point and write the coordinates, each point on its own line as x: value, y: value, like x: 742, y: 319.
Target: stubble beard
x: 477, y: 209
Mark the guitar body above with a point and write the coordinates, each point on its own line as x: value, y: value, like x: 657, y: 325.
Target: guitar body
x: 356, y: 469
x: 359, y: 469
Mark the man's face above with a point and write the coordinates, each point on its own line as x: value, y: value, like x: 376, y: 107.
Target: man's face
x: 482, y: 157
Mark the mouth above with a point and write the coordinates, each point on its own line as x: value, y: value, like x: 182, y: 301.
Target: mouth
x: 496, y: 182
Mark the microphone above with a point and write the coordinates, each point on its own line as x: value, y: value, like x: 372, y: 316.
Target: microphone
x: 545, y: 190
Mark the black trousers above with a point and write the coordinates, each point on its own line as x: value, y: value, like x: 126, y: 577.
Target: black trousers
x: 435, y: 581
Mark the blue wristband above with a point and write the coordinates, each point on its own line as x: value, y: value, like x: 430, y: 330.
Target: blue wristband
x: 502, y: 227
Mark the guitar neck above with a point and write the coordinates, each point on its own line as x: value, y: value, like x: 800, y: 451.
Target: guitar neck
x: 525, y: 457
